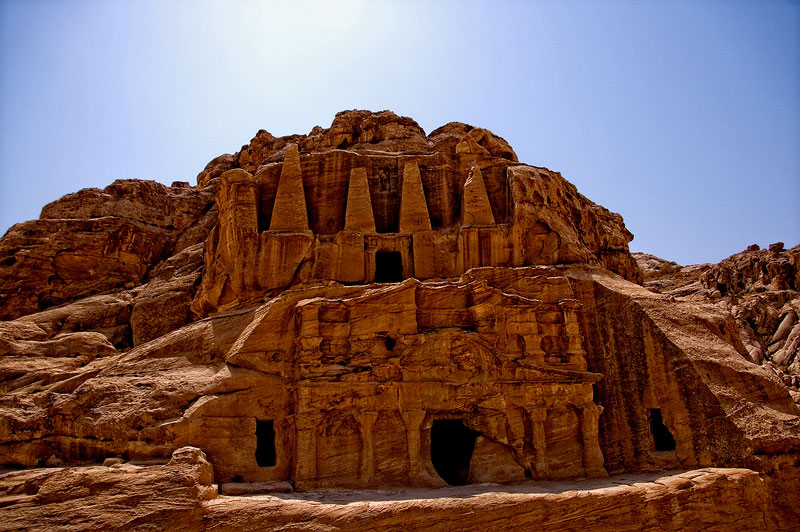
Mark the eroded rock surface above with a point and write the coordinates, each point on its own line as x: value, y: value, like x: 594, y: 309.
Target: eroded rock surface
x: 759, y: 287
x: 369, y: 307
x: 95, y: 241
x: 173, y: 498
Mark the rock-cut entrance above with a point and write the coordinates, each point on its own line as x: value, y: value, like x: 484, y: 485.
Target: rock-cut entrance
x: 662, y: 437
x: 388, y: 267
x: 265, y: 443
x: 452, y: 444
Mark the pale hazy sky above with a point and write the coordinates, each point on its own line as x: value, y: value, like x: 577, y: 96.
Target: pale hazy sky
x: 683, y: 116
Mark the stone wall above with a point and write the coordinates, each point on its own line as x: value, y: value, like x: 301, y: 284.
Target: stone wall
x: 361, y: 376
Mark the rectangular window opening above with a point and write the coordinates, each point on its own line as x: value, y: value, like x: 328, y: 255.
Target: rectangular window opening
x: 265, y: 443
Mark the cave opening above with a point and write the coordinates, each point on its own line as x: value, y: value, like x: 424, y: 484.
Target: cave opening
x: 265, y: 443
x: 662, y: 437
x: 388, y: 267
x: 452, y: 444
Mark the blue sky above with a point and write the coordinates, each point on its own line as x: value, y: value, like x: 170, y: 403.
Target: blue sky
x: 682, y: 116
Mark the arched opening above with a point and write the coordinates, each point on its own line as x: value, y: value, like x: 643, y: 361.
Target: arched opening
x: 662, y: 437
x: 452, y: 444
x: 388, y: 267
x: 265, y: 443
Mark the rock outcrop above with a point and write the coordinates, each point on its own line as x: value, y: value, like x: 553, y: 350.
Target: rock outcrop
x: 760, y: 288
x: 173, y: 497
x: 369, y: 307
x: 97, y: 241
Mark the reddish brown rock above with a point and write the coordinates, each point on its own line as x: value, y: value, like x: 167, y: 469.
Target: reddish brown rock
x: 359, y: 216
x: 446, y: 203
x: 175, y: 497
x: 120, y: 497
x: 162, y: 304
x: 759, y: 288
x: 368, y: 307
x: 95, y: 241
x: 475, y: 206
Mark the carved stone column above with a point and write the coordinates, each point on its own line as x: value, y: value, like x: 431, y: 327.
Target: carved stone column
x: 358, y: 214
x: 306, y: 453
x: 533, y: 348
x: 414, y: 214
x: 538, y: 417
x: 475, y: 206
x: 569, y: 308
x: 592, y: 455
x: 366, y: 422
x: 413, y: 421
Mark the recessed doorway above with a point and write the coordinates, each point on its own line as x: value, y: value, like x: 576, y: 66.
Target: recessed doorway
x: 662, y: 437
x: 452, y: 444
x: 388, y: 267
x: 265, y: 443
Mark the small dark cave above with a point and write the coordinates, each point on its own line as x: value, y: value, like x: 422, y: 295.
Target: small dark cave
x: 662, y: 437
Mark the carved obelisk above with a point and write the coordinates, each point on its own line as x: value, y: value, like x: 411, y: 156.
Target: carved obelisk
x: 358, y: 215
x: 413, y: 207
x: 289, y: 211
x: 475, y: 206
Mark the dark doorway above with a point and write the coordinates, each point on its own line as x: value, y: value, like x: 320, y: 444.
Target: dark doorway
x: 388, y: 267
x: 265, y: 443
x: 452, y: 444
x: 662, y: 437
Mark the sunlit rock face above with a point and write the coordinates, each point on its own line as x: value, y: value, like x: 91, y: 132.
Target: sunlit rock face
x: 374, y: 199
x: 366, y: 306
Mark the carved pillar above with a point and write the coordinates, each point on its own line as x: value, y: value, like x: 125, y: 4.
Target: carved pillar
x: 469, y: 249
x: 238, y: 227
x: 475, y: 206
x: 592, y: 455
x: 515, y: 417
x: 358, y: 215
x: 569, y: 308
x: 538, y: 417
x: 366, y: 422
x: 306, y: 454
x: 413, y: 421
x: 533, y: 347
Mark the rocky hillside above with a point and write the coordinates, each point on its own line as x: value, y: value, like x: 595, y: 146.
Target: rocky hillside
x: 420, y: 322
x: 761, y: 290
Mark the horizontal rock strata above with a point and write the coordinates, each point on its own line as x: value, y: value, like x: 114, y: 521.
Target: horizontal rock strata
x: 126, y: 497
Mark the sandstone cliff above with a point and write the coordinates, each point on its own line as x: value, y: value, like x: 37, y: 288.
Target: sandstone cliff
x: 369, y: 307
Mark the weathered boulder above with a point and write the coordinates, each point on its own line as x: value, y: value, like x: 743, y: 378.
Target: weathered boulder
x: 119, y: 497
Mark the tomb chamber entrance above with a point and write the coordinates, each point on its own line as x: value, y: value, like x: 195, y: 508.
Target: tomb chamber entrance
x: 265, y: 443
x: 388, y: 267
x: 452, y: 444
x: 662, y: 437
